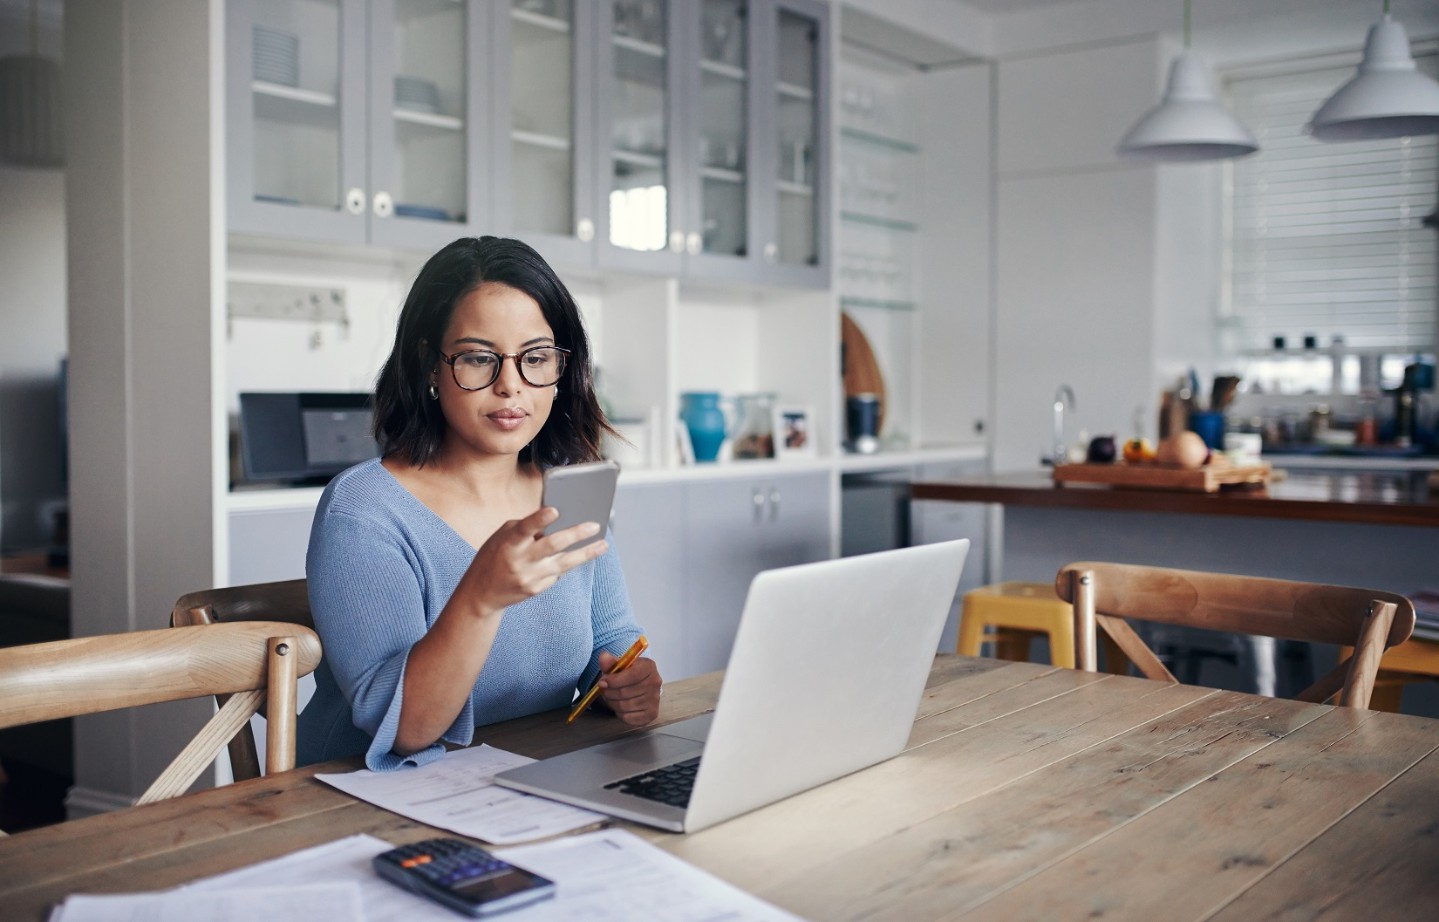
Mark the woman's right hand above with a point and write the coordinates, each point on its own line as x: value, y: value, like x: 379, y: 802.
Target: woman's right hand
x: 520, y: 561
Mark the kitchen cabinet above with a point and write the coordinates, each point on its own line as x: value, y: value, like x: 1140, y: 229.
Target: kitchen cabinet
x: 710, y: 122
x: 733, y: 530
x: 357, y: 122
x: 647, y: 523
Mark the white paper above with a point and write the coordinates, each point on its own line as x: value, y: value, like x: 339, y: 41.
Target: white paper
x: 273, y: 903
x: 615, y: 876
x: 344, y: 861
x: 457, y: 792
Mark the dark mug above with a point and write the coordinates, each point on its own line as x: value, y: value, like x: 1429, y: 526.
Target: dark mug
x: 862, y: 422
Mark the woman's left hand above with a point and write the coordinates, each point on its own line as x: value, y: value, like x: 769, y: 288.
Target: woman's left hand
x: 634, y: 695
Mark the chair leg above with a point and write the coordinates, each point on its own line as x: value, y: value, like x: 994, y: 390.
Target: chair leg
x: 971, y: 634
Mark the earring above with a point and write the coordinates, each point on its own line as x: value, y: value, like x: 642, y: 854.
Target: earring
x: 434, y: 392
x: 556, y: 393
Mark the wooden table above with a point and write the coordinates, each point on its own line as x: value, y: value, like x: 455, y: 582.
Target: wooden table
x: 1025, y: 792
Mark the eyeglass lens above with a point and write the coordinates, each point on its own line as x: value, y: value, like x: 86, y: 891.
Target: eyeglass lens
x: 541, y: 366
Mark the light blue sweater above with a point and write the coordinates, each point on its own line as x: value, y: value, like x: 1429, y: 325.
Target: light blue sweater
x: 381, y: 566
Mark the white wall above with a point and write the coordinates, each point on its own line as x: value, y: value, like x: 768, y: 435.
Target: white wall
x: 1075, y: 232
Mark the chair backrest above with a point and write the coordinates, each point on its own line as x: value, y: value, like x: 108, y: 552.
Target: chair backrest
x: 1369, y: 620
x: 252, y: 663
x: 288, y: 600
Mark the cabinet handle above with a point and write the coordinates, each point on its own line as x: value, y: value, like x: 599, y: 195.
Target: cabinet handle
x: 585, y: 230
x: 383, y: 205
x: 355, y: 201
x: 759, y: 504
x: 774, y: 504
x: 677, y: 241
x: 693, y: 243
x: 771, y: 253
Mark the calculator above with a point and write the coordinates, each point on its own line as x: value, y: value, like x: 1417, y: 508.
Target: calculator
x: 462, y: 876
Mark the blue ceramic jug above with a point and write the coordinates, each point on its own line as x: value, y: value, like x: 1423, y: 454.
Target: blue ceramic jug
x: 705, y: 419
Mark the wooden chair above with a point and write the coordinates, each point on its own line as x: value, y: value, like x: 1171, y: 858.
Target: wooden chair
x: 251, y: 663
x: 287, y: 601
x: 1105, y: 594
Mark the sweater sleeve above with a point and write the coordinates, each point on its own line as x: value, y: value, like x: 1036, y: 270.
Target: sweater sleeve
x: 611, y: 613
x: 369, y: 611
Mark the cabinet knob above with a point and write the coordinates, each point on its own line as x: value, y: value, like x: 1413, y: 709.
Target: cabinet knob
x: 355, y: 201
x: 585, y: 230
x: 774, y: 498
x: 693, y: 243
x: 677, y: 241
x: 771, y: 252
x: 383, y: 205
x: 758, y: 499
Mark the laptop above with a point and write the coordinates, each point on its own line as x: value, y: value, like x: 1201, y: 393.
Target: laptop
x: 824, y: 679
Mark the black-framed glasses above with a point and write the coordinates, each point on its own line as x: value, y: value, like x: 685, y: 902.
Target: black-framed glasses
x: 477, y: 369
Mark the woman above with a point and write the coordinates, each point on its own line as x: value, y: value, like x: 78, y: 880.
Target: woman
x: 441, y: 604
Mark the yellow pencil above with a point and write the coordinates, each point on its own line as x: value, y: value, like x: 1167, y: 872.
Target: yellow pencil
x: 620, y: 665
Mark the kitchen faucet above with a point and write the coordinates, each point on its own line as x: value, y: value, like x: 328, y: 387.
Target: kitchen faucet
x: 1063, y: 399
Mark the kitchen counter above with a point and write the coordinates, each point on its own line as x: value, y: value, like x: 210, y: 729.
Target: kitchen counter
x: 1367, y: 497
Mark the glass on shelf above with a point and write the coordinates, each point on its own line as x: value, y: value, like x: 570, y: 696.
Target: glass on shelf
x: 724, y: 38
x: 295, y: 69
x: 542, y: 148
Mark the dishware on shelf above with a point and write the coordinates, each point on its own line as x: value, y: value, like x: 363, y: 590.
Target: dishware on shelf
x: 704, y: 418
x: 416, y: 94
x: 276, y: 56
x: 861, y: 415
x: 429, y: 212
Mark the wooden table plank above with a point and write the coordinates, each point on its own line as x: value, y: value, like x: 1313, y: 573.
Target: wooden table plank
x: 1380, y: 862
x: 1184, y: 858
x: 762, y: 850
x: 940, y: 867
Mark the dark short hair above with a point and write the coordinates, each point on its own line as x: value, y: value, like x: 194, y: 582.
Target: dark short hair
x: 409, y: 424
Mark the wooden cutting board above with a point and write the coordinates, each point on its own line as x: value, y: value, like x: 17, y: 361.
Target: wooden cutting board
x: 861, y: 369
x: 1207, y: 479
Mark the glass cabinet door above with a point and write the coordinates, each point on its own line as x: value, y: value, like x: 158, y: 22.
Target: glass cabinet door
x: 296, y: 96
x: 799, y: 244
x: 721, y: 133
x: 425, y: 108
x: 637, y: 136
x: 542, y: 145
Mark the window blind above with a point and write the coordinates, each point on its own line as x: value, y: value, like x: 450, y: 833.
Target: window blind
x: 1326, y: 238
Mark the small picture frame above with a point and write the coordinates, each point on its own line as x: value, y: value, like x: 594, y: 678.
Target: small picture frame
x: 794, y: 432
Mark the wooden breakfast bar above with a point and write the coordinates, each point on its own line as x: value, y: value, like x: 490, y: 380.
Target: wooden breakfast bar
x: 1377, y: 529
x: 1024, y: 792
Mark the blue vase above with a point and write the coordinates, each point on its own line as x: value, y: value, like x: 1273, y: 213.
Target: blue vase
x: 705, y: 420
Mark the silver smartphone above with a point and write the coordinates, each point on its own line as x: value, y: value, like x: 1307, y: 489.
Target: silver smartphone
x: 582, y: 493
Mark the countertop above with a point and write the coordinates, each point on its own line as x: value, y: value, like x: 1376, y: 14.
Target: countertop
x: 1377, y: 498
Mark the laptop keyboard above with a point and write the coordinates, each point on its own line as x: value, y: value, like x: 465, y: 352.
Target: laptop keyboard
x: 671, y: 784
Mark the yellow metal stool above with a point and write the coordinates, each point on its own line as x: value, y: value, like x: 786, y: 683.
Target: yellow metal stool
x: 1019, y: 611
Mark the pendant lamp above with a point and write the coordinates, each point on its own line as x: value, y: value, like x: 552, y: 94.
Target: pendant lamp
x: 1189, y: 123
x: 1387, y: 98
x: 31, y: 130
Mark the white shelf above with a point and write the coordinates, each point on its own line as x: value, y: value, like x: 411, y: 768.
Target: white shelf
x: 428, y: 119
x: 794, y: 188
x: 720, y: 69
x: 796, y: 92
x: 637, y: 158
x: 720, y: 174
x: 648, y: 49
x: 534, y: 139
x: 294, y: 94
x: 540, y: 20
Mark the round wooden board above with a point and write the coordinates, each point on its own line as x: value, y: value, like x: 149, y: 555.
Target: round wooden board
x: 861, y: 370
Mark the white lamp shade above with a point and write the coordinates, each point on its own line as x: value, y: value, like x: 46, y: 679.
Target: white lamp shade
x: 1387, y: 98
x: 1189, y: 123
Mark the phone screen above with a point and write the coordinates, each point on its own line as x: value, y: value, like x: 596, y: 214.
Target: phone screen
x: 582, y: 493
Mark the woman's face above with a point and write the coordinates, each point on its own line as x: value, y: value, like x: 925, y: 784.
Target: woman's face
x: 506, y: 416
